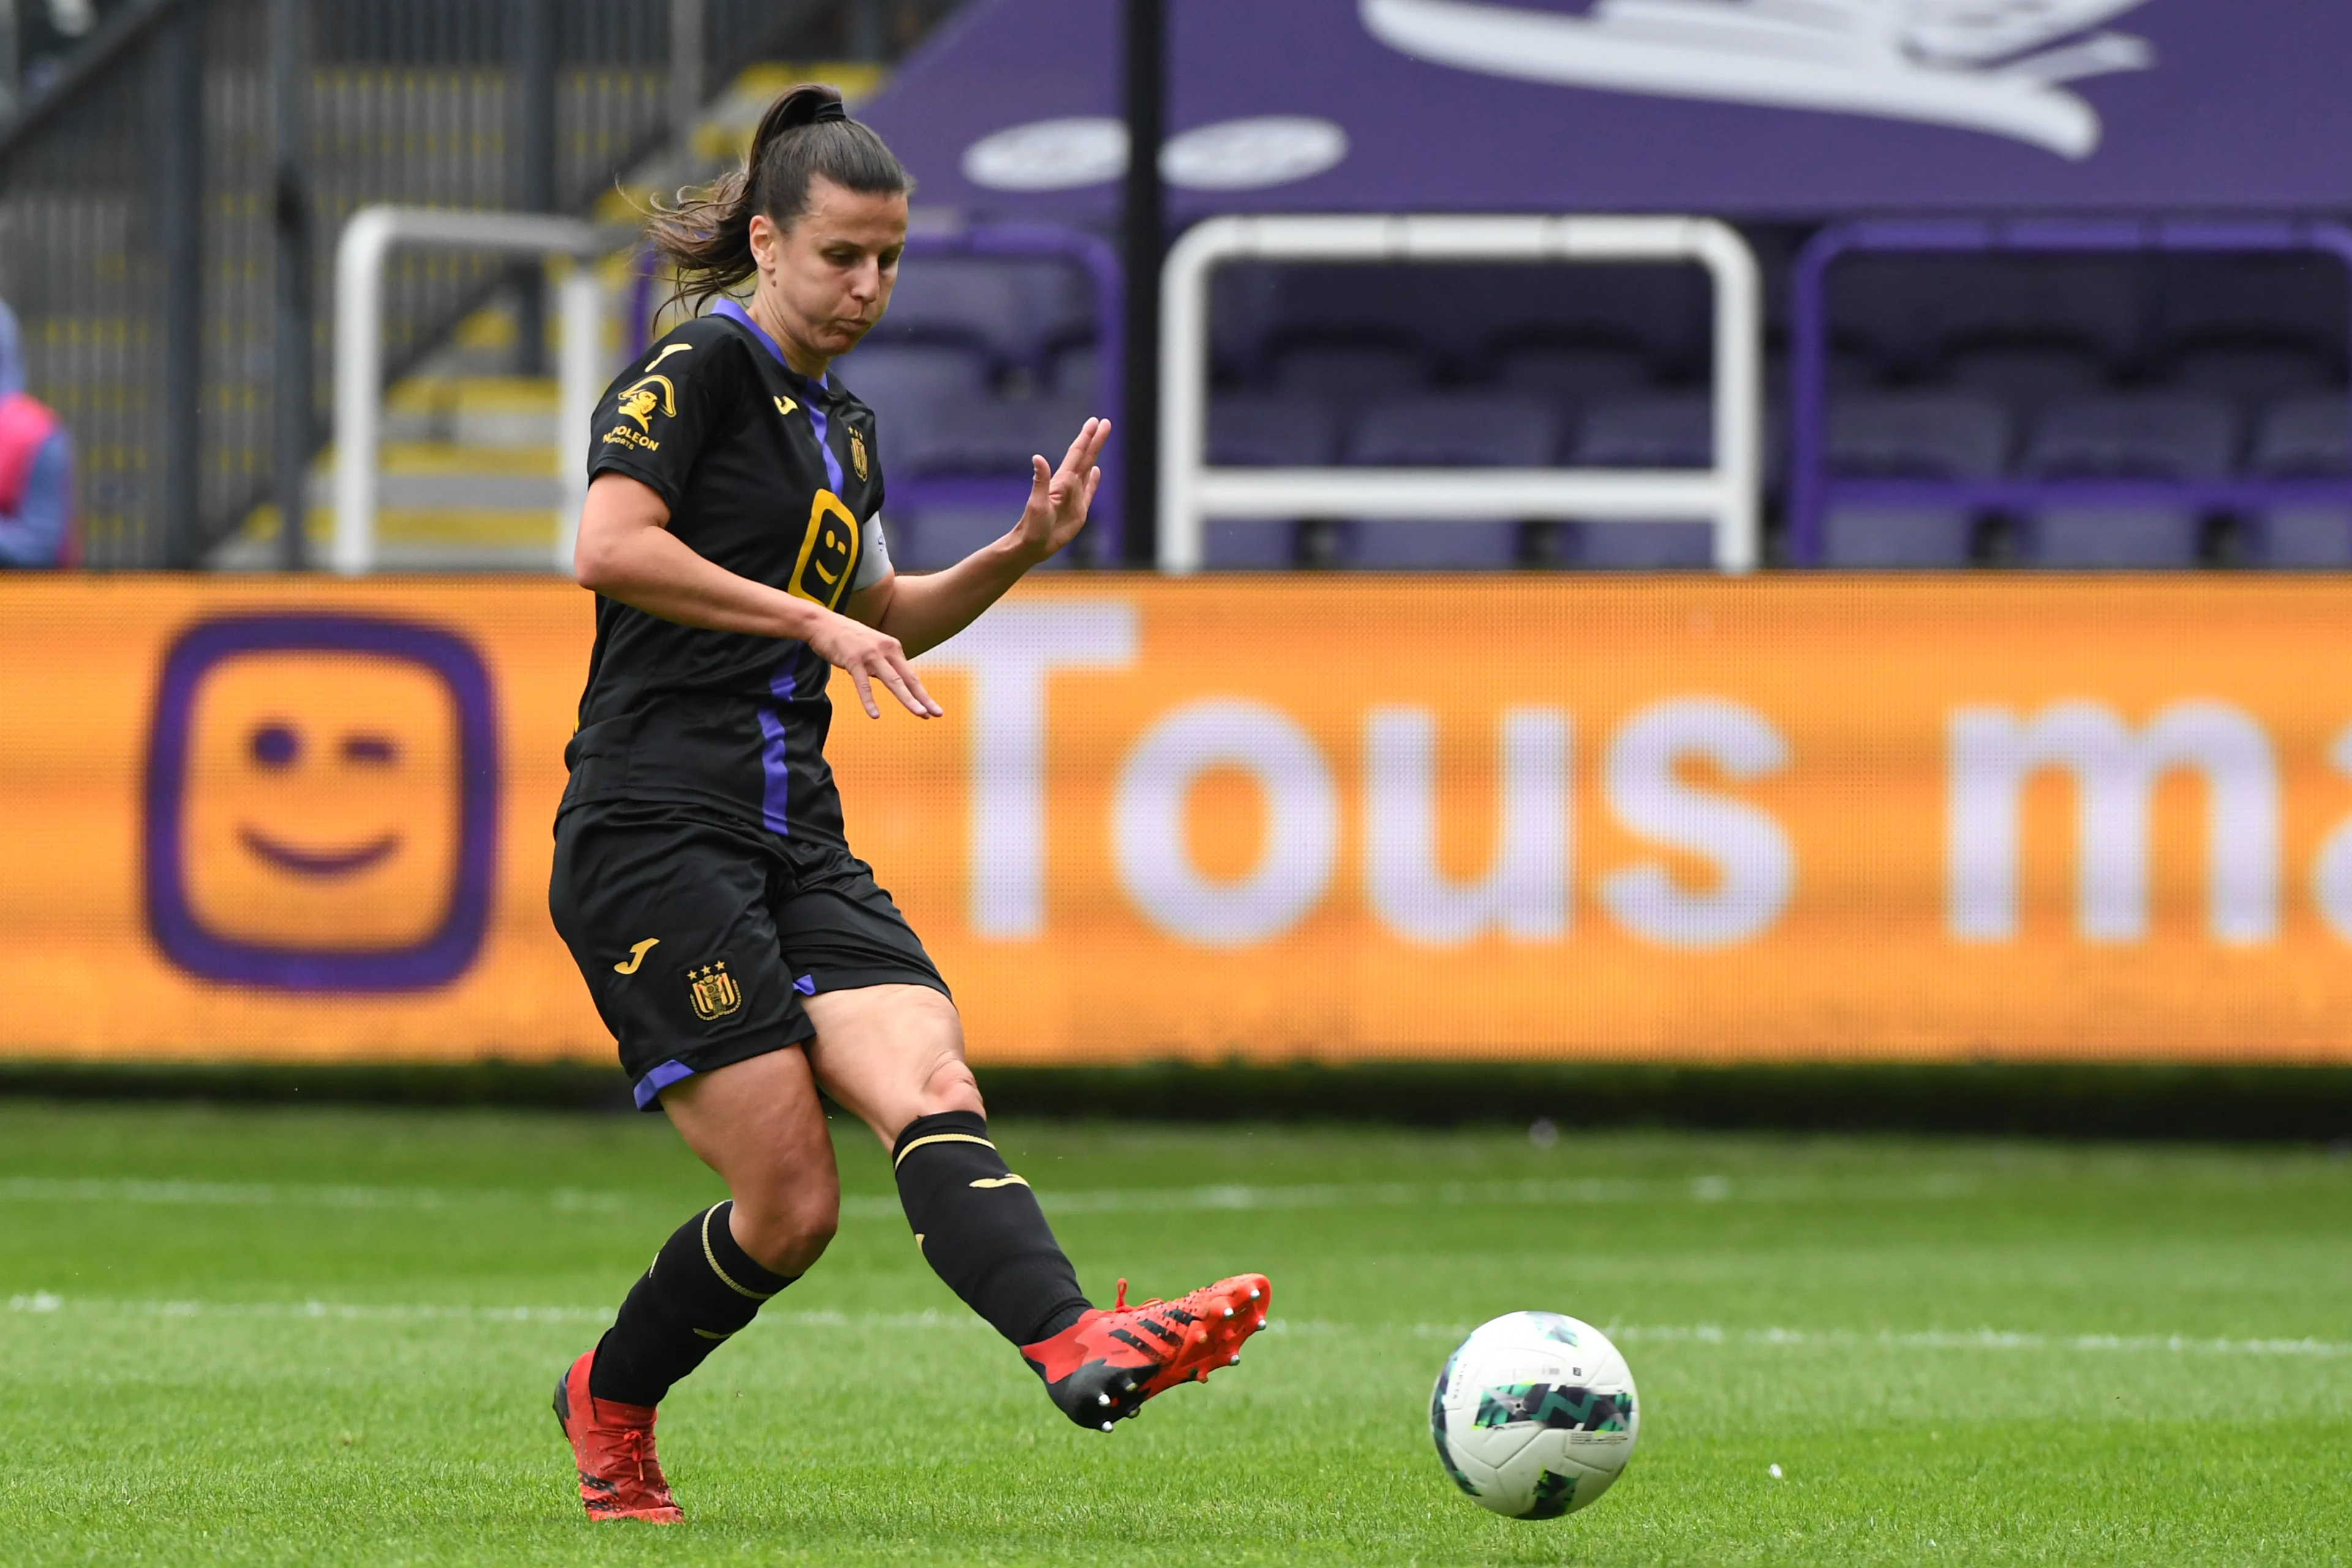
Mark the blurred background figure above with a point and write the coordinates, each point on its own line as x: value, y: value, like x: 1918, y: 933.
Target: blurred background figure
x: 35, y: 466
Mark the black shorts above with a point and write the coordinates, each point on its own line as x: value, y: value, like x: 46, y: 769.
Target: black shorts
x: 698, y: 938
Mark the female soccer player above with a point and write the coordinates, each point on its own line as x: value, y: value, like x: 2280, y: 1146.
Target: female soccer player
x: 741, y: 955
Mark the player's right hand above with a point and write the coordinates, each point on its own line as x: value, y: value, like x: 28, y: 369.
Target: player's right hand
x: 872, y: 657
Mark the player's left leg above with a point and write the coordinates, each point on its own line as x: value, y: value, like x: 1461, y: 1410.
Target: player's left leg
x: 892, y: 1055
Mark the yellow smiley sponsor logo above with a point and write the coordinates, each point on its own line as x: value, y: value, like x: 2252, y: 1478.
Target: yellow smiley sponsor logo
x: 828, y: 554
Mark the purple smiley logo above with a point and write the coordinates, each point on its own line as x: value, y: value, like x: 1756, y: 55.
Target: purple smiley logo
x: 321, y: 804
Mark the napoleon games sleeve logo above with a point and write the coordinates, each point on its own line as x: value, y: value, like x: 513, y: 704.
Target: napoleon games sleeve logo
x: 321, y: 808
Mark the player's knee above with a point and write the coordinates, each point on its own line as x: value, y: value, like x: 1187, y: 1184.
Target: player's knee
x: 787, y: 1233
x: 951, y: 1087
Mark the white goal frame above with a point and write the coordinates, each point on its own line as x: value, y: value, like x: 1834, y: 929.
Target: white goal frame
x: 1191, y: 492
x: 359, y: 259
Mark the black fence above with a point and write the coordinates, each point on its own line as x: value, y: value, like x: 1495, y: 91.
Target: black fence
x: 141, y: 209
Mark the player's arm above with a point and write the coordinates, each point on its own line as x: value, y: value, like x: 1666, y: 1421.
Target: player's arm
x: 627, y: 552
x: 922, y: 611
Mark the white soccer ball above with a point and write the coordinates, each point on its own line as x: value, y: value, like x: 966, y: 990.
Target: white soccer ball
x: 1534, y: 1414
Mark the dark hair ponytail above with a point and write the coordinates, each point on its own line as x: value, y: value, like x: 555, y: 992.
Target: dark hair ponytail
x: 707, y: 237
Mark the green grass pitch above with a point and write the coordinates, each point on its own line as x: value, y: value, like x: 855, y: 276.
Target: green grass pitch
x: 329, y: 1337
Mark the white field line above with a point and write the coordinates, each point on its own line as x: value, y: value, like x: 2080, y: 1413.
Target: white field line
x: 1224, y: 1198
x: 46, y: 1303
x: 276, y: 1195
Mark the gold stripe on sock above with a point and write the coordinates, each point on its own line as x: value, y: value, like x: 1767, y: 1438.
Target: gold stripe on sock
x: 1006, y: 1181
x: 713, y: 1257
x: 939, y: 1137
x: 707, y: 1334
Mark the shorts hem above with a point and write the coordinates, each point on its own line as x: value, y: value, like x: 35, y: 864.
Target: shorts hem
x: 647, y: 1087
x: 859, y: 977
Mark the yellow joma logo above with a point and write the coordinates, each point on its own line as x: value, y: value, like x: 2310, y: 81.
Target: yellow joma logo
x: 638, y: 952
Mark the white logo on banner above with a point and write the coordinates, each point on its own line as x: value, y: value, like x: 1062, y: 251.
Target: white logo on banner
x: 1995, y: 65
x: 1091, y: 149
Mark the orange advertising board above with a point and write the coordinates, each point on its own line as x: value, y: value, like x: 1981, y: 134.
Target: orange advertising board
x: 1332, y: 818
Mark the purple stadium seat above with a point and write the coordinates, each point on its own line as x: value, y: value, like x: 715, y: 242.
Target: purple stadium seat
x: 2025, y: 377
x: 1261, y: 431
x: 1388, y: 545
x: 990, y: 436
x: 2298, y: 299
x: 1076, y: 372
x: 1573, y: 378
x: 1660, y: 313
x: 1349, y: 375
x: 2127, y: 436
x: 1237, y: 544
x: 956, y: 299
x: 903, y: 382
x: 2252, y: 376
x: 1662, y: 430
x: 1461, y: 429
x: 1245, y: 301
x: 2306, y: 437
x: 1910, y: 435
x: 928, y: 539
x: 1058, y: 304
x: 2096, y: 303
x: 1448, y: 430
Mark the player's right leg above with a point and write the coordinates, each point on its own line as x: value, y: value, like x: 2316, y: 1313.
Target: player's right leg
x: 670, y: 924
x: 893, y: 1056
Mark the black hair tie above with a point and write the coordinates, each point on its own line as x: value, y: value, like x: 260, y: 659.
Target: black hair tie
x: 809, y: 106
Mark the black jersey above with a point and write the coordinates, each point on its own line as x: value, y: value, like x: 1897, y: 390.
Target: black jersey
x: 777, y: 479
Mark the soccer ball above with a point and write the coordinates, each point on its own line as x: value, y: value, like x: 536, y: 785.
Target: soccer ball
x: 1534, y: 1414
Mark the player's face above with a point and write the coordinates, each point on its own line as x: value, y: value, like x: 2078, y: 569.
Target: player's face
x: 827, y: 278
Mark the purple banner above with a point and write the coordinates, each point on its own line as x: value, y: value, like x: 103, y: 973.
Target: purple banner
x: 1740, y: 107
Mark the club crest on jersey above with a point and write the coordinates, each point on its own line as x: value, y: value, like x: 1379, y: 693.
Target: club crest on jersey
x: 828, y: 556
x: 714, y: 992
x: 638, y: 403
x: 858, y: 453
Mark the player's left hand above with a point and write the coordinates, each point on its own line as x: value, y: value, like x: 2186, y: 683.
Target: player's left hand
x: 1058, y: 498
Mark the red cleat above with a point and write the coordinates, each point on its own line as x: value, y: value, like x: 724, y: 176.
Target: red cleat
x: 613, y: 1444
x: 1104, y: 1367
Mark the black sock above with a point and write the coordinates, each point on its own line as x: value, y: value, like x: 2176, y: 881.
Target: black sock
x: 980, y: 1229
x: 702, y: 1288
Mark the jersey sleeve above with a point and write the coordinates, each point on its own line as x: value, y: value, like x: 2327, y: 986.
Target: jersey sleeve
x: 653, y: 421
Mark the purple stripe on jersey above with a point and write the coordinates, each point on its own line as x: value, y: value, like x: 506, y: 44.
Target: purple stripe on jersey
x: 775, y: 774
x: 832, y: 463
x: 649, y: 1087
x: 735, y: 312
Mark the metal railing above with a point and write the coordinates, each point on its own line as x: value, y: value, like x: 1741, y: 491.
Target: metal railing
x: 1191, y: 491
x: 361, y: 259
x: 137, y: 211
